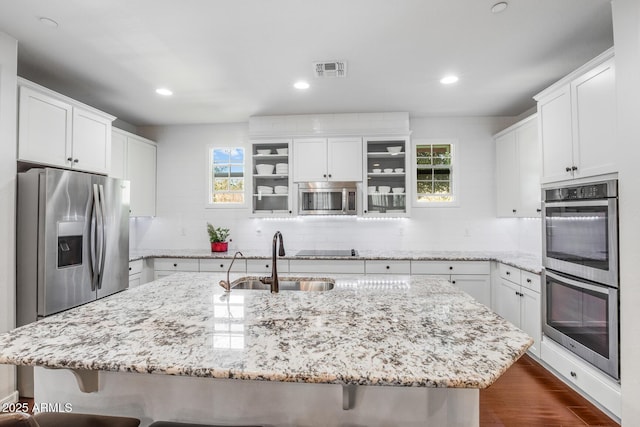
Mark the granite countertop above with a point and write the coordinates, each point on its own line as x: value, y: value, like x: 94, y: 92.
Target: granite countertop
x: 392, y: 331
x: 525, y: 261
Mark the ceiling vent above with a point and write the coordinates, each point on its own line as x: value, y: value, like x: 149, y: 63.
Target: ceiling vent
x: 330, y: 69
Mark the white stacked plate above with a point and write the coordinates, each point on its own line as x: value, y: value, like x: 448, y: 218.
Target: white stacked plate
x: 263, y: 151
x: 264, y: 189
x: 281, y: 189
x: 282, y: 168
x: 282, y: 151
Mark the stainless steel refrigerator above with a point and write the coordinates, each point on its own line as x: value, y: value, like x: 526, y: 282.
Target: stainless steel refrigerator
x: 72, y: 242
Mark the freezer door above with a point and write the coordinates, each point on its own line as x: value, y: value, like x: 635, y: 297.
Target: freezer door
x: 64, y: 217
x: 113, y: 235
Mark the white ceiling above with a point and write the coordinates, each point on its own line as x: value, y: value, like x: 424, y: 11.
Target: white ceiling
x: 227, y: 60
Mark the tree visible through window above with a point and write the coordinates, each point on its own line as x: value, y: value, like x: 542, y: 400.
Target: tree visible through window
x: 434, y: 172
x: 227, y: 176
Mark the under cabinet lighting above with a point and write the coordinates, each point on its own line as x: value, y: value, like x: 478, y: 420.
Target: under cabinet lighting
x: 447, y: 80
x: 301, y: 85
x: 164, y: 91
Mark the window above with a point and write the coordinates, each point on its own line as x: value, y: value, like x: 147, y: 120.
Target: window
x: 226, y: 176
x: 434, y: 169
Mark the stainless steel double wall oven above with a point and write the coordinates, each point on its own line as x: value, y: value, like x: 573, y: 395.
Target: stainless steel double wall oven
x: 580, y: 275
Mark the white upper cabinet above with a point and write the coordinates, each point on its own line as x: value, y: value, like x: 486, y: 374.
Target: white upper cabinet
x: 577, y: 123
x: 327, y: 159
x: 134, y: 158
x: 57, y: 131
x: 518, y: 164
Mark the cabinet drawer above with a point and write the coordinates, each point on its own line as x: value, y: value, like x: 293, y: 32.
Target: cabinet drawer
x: 222, y: 264
x: 264, y: 266
x: 591, y: 381
x: 388, y: 267
x: 135, y: 280
x: 450, y: 267
x: 326, y: 266
x: 135, y: 267
x: 175, y: 264
x: 510, y: 273
x: 530, y: 281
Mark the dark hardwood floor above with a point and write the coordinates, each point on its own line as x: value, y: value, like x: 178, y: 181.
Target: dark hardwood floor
x: 529, y: 395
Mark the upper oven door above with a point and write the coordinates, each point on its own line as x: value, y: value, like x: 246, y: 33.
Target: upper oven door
x: 581, y: 238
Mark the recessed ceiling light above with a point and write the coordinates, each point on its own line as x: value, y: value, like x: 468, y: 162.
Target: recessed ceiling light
x: 48, y: 22
x: 447, y: 80
x: 499, y: 7
x: 302, y: 85
x: 164, y: 91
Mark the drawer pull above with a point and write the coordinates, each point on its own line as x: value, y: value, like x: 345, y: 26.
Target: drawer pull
x: 221, y: 265
x: 450, y: 267
x: 573, y: 374
x: 528, y: 280
x: 453, y: 281
x: 129, y: 268
x: 387, y: 267
x: 508, y: 273
x: 175, y: 265
x: 266, y: 265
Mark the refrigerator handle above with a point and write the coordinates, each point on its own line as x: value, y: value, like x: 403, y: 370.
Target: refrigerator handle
x: 93, y: 238
x: 103, y: 238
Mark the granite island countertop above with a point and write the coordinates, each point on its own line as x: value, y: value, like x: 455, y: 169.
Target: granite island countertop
x: 391, y: 331
x: 522, y: 260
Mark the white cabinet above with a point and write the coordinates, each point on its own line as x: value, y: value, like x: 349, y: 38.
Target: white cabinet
x: 166, y: 266
x: 327, y: 159
x: 222, y: 265
x: 518, y: 165
x: 577, y: 122
x: 387, y: 267
x: 135, y: 273
x: 473, y: 277
x: 134, y: 158
x: 387, y: 186
x: 58, y: 131
x: 263, y: 266
x: 329, y: 266
x: 516, y: 297
x: 271, y: 189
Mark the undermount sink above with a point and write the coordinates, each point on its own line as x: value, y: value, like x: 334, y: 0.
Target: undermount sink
x: 286, y: 284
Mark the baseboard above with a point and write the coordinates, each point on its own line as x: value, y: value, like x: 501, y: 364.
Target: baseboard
x: 12, y: 398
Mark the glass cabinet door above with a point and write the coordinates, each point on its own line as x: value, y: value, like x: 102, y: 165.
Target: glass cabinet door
x: 386, y: 172
x: 271, y: 186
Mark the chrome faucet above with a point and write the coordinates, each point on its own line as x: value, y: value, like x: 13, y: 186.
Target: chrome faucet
x: 273, y: 280
x: 226, y: 284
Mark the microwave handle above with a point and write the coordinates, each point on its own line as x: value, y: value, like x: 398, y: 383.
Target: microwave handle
x: 344, y: 200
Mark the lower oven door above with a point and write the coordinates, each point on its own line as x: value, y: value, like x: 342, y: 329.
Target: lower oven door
x: 583, y: 317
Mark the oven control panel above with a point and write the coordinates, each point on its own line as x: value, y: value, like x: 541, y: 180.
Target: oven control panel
x: 600, y: 190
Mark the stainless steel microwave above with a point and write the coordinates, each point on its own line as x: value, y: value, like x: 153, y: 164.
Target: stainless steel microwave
x: 328, y: 198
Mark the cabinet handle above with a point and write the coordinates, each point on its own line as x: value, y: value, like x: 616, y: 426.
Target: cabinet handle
x: 450, y: 267
x: 538, y: 210
x: 69, y: 159
x: 129, y: 268
x: 324, y: 176
x: 573, y: 374
x: 528, y: 280
x: 75, y: 160
x: 329, y: 175
x: 290, y: 212
x: 175, y: 265
x: 508, y: 273
x: 266, y: 265
x: 453, y: 281
x: 365, y: 211
x: 568, y: 169
x: 388, y: 267
x: 221, y: 265
x: 574, y: 168
x: 514, y: 211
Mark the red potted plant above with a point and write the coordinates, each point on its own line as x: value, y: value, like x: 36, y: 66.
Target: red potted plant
x: 218, y: 238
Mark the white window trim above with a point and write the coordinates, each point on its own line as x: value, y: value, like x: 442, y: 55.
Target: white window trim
x: 208, y: 189
x: 455, y: 161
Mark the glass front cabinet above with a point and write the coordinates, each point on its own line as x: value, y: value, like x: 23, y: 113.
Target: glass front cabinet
x: 271, y: 183
x: 386, y: 184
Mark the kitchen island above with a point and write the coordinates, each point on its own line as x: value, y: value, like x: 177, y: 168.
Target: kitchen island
x: 403, y: 351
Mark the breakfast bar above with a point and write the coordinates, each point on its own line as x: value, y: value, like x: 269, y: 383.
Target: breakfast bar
x: 393, y: 350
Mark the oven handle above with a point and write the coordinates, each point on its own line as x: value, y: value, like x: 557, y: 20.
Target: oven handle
x: 602, y: 289
x: 571, y: 204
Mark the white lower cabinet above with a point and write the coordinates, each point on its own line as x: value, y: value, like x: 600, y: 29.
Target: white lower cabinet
x: 222, y: 265
x: 335, y: 267
x: 135, y: 273
x: 263, y: 266
x: 516, y: 297
x: 598, y: 387
x: 387, y: 267
x: 167, y: 266
x: 473, y: 277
